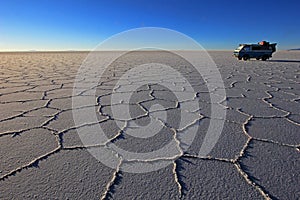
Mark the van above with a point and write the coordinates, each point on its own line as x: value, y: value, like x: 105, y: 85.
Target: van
x: 262, y: 50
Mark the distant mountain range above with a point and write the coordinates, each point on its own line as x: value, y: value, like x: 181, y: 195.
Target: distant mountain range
x: 297, y: 49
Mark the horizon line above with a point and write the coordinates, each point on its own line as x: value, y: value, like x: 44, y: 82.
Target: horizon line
x: 107, y: 50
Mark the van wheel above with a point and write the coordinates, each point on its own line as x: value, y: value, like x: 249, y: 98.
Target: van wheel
x: 245, y: 57
x: 257, y: 58
x: 264, y: 58
x: 240, y: 58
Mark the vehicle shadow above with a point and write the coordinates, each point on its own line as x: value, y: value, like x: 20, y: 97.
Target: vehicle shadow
x: 288, y: 61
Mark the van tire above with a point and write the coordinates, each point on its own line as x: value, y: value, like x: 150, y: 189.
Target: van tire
x: 257, y: 58
x: 264, y: 58
x: 245, y: 57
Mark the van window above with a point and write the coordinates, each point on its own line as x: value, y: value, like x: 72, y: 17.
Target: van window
x: 256, y: 48
x: 247, y: 48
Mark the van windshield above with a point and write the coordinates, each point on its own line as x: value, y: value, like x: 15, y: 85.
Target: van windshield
x: 240, y: 48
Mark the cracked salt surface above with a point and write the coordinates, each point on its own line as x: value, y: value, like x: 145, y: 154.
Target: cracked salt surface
x: 42, y: 156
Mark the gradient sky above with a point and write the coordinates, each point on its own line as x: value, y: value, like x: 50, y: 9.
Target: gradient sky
x: 82, y: 24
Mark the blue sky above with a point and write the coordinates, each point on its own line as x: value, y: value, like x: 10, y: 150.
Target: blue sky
x: 82, y: 24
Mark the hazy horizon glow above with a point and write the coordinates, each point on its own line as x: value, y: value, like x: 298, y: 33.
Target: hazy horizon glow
x: 82, y: 25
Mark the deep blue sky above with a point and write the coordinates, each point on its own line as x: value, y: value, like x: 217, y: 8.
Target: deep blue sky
x: 82, y: 24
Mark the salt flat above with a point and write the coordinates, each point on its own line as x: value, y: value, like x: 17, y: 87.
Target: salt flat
x: 42, y: 156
